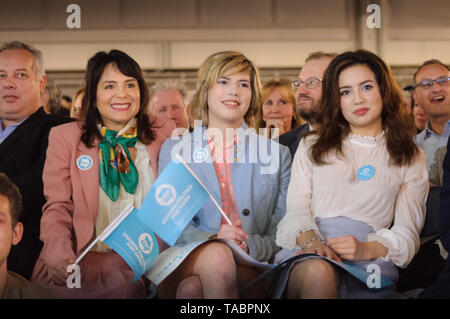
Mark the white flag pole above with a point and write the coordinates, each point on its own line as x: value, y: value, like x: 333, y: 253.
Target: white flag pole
x: 178, y: 157
x: 86, y: 250
x: 108, y: 230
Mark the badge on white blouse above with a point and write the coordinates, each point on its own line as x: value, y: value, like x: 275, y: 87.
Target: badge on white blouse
x: 365, y: 172
x: 84, y: 162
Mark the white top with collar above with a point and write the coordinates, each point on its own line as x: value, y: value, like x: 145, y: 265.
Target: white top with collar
x: 392, y: 195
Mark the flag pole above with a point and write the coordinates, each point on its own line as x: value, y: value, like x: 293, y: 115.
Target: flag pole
x: 86, y: 250
x: 108, y: 230
x: 178, y: 157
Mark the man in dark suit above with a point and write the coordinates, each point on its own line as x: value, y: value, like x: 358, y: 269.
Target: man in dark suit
x: 441, y: 288
x: 308, y: 91
x: 431, y: 92
x: 24, y: 133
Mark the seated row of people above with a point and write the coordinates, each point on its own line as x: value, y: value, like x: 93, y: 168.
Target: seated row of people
x: 356, y: 192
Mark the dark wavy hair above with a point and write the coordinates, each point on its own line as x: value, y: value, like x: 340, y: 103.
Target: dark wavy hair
x: 129, y: 67
x: 396, y: 122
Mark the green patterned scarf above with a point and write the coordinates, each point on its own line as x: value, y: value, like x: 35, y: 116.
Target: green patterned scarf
x: 116, y: 164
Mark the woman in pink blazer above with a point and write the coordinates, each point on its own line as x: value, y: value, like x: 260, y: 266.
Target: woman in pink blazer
x: 93, y: 170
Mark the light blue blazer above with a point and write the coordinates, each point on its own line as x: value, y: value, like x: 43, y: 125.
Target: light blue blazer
x: 260, y: 176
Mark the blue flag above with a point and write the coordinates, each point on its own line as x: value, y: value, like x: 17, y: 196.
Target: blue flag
x: 174, y: 199
x: 132, y: 240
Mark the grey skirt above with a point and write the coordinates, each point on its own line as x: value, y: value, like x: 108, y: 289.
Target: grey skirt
x: 350, y: 286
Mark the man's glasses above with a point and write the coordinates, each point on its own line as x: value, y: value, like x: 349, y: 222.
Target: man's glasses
x: 310, y: 83
x: 429, y: 83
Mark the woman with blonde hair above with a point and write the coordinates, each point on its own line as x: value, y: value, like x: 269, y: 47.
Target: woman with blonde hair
x: 278, y: 108
x: 224, y: 155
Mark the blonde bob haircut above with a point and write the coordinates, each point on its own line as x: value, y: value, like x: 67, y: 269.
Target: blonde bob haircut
x: 286, y: 91
x: 227, y: 63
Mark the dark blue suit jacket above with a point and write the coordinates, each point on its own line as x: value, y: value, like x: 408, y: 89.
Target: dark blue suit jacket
x: 292, y: 138
x: 22, y: 157
x: 444, y: 209
x: 441, y: 289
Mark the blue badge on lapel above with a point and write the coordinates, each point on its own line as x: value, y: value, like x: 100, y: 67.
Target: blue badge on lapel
x: 84, y: 162
x: 365, y: 172
x: 200, y: 155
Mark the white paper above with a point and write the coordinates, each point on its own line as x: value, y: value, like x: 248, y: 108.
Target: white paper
x: 172, y: 257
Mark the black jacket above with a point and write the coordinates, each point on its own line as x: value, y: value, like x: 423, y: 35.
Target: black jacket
x: 292, y: 138
x: 22, y: 157
x: 441, y: 288
x: 444, y: 209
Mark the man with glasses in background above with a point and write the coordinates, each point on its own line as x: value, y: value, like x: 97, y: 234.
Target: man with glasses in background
x: 431, y: 92
x: 308, y: 93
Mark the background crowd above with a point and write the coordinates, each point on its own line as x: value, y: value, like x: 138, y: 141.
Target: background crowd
x: 345, y: 112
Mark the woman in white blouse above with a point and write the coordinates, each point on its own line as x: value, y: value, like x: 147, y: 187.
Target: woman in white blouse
x: 358, y: 185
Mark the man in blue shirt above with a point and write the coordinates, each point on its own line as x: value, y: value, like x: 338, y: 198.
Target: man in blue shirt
x: 24, y: 129
x: 4, y: 132
x: 432, y: 88
x: 431, y: 92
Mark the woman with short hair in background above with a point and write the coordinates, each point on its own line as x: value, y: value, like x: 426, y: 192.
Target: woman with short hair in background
x: 278, y: 108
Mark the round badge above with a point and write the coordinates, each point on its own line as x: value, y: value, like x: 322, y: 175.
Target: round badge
x: 365, y: 172
x: 165, y: 195
x: 146, y: 243
x: 84, y: 162
x: 200, y: 155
